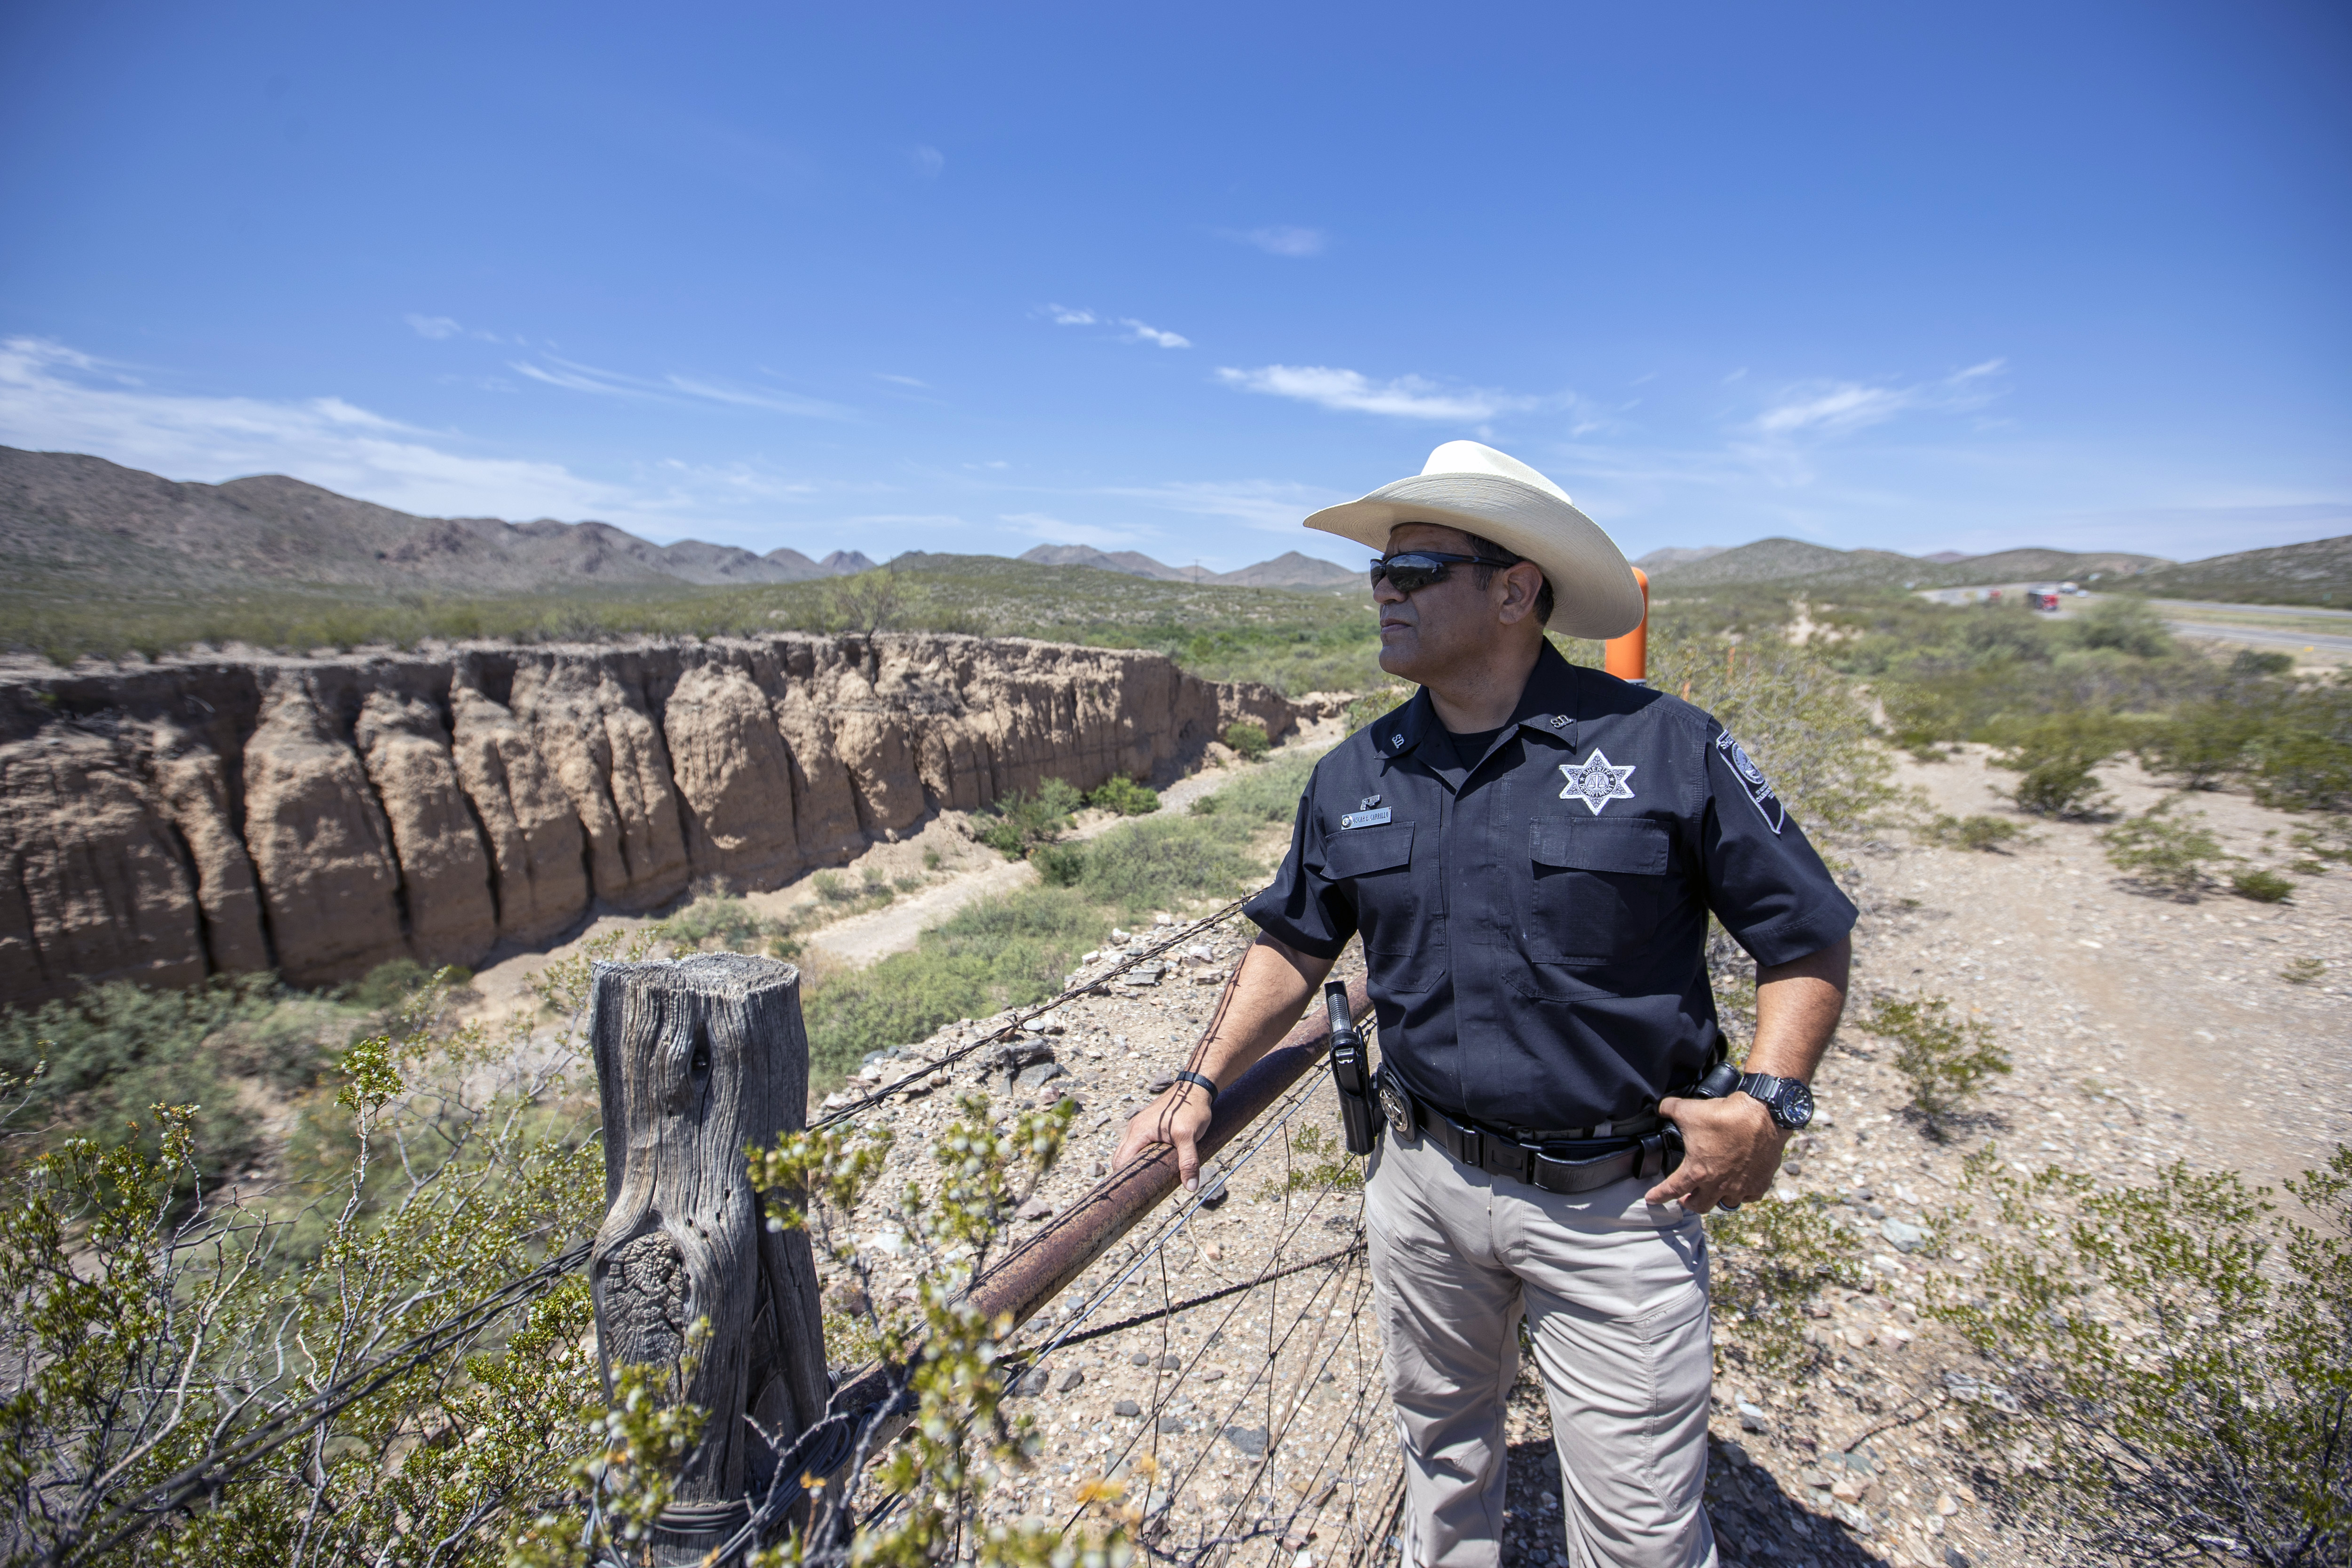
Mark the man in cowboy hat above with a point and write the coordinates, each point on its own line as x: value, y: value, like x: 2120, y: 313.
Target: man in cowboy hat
x: 1530, y: 851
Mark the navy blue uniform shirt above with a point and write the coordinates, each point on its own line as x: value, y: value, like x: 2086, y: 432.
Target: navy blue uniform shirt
x: 1535, y: 919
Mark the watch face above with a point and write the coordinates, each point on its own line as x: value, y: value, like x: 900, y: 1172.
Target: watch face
x: 1796, y: 1107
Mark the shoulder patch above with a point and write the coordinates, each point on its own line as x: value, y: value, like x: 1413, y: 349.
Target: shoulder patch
x: 1752, y: 778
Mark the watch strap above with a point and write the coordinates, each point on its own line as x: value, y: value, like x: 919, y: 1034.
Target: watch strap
x: 1202, y: 1079
x: 1767, y: 1089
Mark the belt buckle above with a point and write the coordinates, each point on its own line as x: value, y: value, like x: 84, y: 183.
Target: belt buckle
x: 1396, y: 1103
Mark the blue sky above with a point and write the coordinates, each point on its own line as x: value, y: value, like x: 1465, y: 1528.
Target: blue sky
x: 974, y: 278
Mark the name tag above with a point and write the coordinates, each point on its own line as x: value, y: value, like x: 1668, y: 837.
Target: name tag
x: 1364, y: 818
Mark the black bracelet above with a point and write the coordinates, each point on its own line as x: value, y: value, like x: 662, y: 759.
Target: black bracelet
x: 1189, y: 1076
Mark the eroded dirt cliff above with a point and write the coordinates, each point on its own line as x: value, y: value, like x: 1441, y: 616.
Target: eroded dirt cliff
x: 321, y: 816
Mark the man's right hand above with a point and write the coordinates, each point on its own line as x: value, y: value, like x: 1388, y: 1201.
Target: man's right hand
x: 1179, y: 1117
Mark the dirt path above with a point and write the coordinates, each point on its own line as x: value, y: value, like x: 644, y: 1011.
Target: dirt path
x: 862, y: 938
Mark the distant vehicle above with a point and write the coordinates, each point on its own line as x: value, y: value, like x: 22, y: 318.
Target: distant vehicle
x: 2070, y: 588
x: 2042, y: 597
x: 1993, y: 598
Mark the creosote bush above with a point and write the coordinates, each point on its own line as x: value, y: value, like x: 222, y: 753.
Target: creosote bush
x: 1021, y: 821
x: 2177, y: 1363
x: 1248, y: 739
x: 1774, y: 1257
x: 1945, y: 1059
x: 2055, y: 759
x: 2165, y: 849
x: 1126, y: 796
x: 1986, y: 832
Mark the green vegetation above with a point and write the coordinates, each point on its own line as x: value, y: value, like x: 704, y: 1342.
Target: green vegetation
x: 2177, y: 1363
x: 2301, y: 971
x: 1021, y: 821
x: 2165, y: 849
x: 96, y: 1064
x: 1124, y: 796
x: 143, y: 1327
x: 1774, y: 1257
x: 1945, y: 1059
x: 1248, y: 739
x: 1296, y: 641
x: 1319, y: 1163
x: 1009, y: 951
x: 1986, y: 832
x: 2263, y: 886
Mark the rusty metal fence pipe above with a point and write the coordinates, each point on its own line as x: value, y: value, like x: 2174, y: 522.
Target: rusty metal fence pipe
x: 1042, y: 1267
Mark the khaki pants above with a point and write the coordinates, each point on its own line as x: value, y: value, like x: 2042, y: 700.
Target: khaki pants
x: 1614, y: 1293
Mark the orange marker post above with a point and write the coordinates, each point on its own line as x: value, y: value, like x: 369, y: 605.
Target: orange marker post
x: 1628, y: 658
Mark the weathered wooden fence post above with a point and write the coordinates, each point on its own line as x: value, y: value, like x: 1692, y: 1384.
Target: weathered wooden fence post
x: 696, y: 1060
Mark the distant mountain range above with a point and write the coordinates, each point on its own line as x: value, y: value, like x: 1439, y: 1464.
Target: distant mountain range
x: 67, y: 516
x: 1288, y: 570
x: 1793, y: 561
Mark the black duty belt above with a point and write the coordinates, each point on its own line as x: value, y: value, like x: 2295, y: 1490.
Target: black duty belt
x: 1576, y: 1165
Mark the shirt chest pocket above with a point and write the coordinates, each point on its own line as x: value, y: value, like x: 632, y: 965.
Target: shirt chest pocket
x: 1375, y: 866
x: 1599, y: 888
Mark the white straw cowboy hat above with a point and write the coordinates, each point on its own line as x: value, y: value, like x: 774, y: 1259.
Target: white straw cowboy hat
x: 1479, y: 490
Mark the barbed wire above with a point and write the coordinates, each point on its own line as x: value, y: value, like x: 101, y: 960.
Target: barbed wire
x: 1205, y: 924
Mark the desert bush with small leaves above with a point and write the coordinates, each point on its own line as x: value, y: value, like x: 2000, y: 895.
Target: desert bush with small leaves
x: 2166, y: 849
x: 1774, y: 1257
x: 2178, y: 1362
x: 1126, y: 796
x: 1248, y: 740
x: 2261, y: 886
x: 1986, y: 832
x: 1945, y: 1059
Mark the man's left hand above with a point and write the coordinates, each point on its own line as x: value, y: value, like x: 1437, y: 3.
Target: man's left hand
x: 1731, y: 1149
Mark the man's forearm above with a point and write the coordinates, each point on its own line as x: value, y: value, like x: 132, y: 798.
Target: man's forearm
x: 1796, y: 1009
x: 1266, y: 995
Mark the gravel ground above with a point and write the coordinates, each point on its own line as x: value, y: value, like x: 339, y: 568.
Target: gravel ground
x: 2142, y: 1029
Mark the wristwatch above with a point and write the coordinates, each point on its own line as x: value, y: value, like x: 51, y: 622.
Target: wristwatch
x: 1787, y: 1098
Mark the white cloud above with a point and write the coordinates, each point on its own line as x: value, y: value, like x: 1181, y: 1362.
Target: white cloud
x: 1272, y: 505
x: 1835, y: 408
x: 1406, y: 397
x: 901, y: 380
x: 1138, y: 332
x: 928, y: 160
x: 575, y: 377
x: 434, y: 326
x: 1054, y: 530
x: 54, y: 398
x: 1281, y: 239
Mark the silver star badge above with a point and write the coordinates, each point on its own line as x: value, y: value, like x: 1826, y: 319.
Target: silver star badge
x: 1596, y: 783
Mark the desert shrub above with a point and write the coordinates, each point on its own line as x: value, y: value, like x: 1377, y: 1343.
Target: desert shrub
x: 1945, y: 1059
x: 148, y: 1325
x: 1248, y: 739
x: 1319, y: 1163
x: 1125, y: 796
x: 1385, y: 699
x: 2164, y: 849
x: 1021, y: 821
x: 1059, y: 865
x: 95, y: 1063
x: 2250, y: 662
x: 719, y: 920
x: 1269, y: 794
x: 2127, y: 626
x: 2179, y: 1363
x: 2263, y: 886
x: 2202, y: 743
x: 1970, y: 832
x: 2055, y: 757
x: 387, y: 985
x: 1160, y: 865
x: 2303, y: 770
x: 1798, y: 718
x: 1772, y: 1257
x: 2301, y: 971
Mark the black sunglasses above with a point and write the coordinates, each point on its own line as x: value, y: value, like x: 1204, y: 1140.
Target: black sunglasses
x: 1409, y: 571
